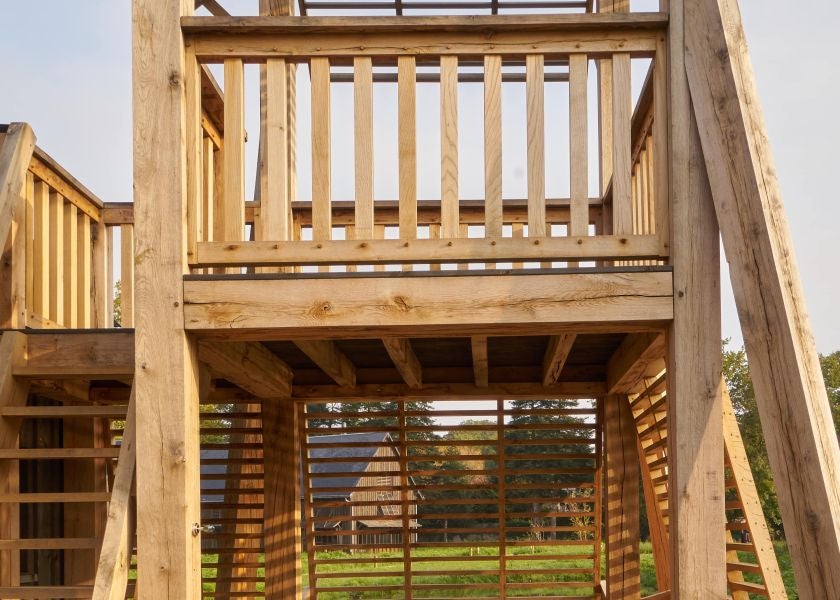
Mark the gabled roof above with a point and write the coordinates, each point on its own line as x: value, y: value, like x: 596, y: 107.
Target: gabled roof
x: 364, y: 454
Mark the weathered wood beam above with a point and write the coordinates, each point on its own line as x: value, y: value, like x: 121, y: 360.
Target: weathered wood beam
x: 78, y: 355
x: 559, y: 347
x: 115, y: 557
x: 622, y: 500
x: 424, y: 305
x: 404, y: 359
x: 790, y: 391
x: 638, y: 356
x: 216, y: 9
x: 166, y: 384
x: 15, y: 154
x: 330, y: 359
x: 479, y: 358
x: 251, y: 366
x: 449, y: 391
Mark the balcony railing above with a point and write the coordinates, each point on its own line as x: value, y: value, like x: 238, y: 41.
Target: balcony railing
x: 626, y: 222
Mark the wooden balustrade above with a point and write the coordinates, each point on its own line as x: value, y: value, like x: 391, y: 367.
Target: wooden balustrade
x: 628, y: 224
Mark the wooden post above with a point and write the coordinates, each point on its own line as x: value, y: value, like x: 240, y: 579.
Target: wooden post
x: 695, y: 426
x: 790, y: 391
x: 282, y: 500
x: 622, y: 500
x: 166, y: 388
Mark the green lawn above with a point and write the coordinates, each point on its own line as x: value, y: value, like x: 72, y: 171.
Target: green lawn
x: 390, y: 573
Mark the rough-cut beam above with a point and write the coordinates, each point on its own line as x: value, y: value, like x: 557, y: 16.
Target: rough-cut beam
x: 790, y: 392
x: 479, y: 358
x: 330, y: 359
x: 559, y: 347
x: 448, y: 391
x: 425, y: 304
x: 404, y: 359
x: 251, y: 366
x: 78, y: 355
x: 115, y: 556
x: 638, y: 356
x: 216, y: 9
x: 15, y: 153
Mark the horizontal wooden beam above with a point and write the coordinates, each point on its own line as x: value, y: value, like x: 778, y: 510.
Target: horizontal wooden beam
x: 633, y: 360
x: 425, y: 304
x: 78, y: 355
x: 251, y: 366
x: 330, y: 359
x: 268, y: 253
x: 450, y: 391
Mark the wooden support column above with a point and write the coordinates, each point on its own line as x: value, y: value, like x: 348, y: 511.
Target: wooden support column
x: 282, y: 534
x: 166, y: 378
x: 695, y: 426
x: 790, y: 391
x: 622, y: 500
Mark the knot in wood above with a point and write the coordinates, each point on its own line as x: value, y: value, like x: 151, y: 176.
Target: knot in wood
x: 174, y: 79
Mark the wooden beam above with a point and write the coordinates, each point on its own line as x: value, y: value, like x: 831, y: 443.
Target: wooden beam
x: 559, y: 347
x: 78, y: 355
x: 790, y: 391
x: 166, y: 385
x: 251, y: 366
x: 479, y: 358
x: 330, y: 359
x: 640, y: 355
x: 15, y: 154
x: 115, y: 557
x: 622, y: 500
x: 425, y: 304
x: 448, y: 391
x: 402, y: 354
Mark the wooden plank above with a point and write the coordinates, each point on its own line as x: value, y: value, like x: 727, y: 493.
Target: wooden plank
x: 166, y: 366
x: 13, y: 393
x: 493, y: 147
x: 559, y: 347
x: 281, y: 452
x: 273, y: 253
x: 321, y: 170
x: 373, y: 307
x: 115, y: 557
x: 804, y: 453
x: 622, y: 500
x: 363, y: 115
x: 661, y: 174
x: 84, y: 258
x: 234, y: 158
x: 101, y: 294
x: 640, y: 355
x: 479, y: 358
x: 194, y: 142
x: 56, y: 258
x: 405, y: 360
x: 275, y: 205
x: 251, y: 366
x: 208, y: 189
x: 330, y: 359
x: 535, y: 107
x: 449, y: 209
x: 579, y: 144
x: 71, y: 265
x: 15, y: 154
x: 41, y: 291
x: 127, y: 275
x: 622, y: 108
x: 78, y: 355
x: 41, y: 592
x: 407, y: 144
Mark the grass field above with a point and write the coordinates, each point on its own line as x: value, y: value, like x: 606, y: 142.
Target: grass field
x: 389, y: 573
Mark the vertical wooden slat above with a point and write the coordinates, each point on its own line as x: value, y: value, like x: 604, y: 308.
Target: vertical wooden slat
x: 110, y: 287
x: 100, y: 294
x: 449, y: 206
x: 579, y: 144
x: 84, y: 260
x: 71, y: 265
x: 363, y: 104
x: 407, y: 134
x: 194, y: 139
x: 622, y: 165
x: 40, y: 264
x: 535, y: 103
x: 56, y: 220
x: 321, y: 170
x: 275, y: 209
x: 208, y: 189
x: 127, y: 274
x: 493, y: 213
x: 29, y: 228
x: 20, y: 246
x: 234, y: 157
x: 661, y: 178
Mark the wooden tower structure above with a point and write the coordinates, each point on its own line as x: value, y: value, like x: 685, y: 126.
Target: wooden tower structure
x: 585, y: 325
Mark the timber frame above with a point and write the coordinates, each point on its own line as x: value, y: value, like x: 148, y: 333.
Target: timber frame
x: 175, y: 454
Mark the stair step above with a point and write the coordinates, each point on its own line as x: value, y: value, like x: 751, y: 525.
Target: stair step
x: 738, y: 547
x: 743, y: 567
x: 658, y: 463
x: 58, y: 453
x: 54, y: 497
x: 746, y: 586
x: 49, y: 544
x: 64, y: 412
x: 44, y: 592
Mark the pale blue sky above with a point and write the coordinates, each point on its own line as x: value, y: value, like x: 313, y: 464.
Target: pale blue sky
x: 66, y: 69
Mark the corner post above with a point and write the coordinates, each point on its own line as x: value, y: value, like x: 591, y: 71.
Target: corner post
x: 166, y: 376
